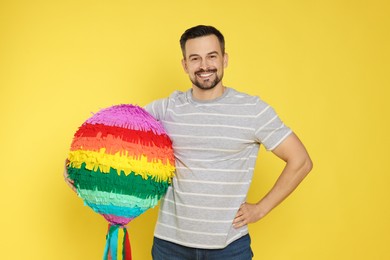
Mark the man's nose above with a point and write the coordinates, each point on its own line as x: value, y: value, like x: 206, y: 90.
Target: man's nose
x: 204, y: 64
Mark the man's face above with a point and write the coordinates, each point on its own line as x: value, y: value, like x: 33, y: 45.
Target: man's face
x: 204, y: 62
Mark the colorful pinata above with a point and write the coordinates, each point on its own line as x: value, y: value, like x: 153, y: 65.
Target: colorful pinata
x: 121, y: 161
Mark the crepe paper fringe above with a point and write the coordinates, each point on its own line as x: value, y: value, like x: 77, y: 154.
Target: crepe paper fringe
x: 114, y: 145
x: 126, y: 116
x: 117, y: 220
x: 132, y: 184
x: 121, y: 200
x: 111, y: 248
x: 102, y: 161
x: 128, y: 209
x: 146, y: 137
x: 127, y: 212
x: 126, y: 253
x: 113, y: 202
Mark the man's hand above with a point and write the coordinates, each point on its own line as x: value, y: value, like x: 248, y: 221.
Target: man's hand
x: 68, y: 180
x: 247, y: 213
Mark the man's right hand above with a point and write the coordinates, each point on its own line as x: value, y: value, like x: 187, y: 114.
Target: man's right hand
x: 68, y: 180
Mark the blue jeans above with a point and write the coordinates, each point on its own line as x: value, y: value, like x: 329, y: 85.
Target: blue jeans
x: 237, y: 250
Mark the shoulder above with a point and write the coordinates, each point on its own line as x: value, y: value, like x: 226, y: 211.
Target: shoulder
x: 172, y: 97
x: 159, y: 107
x: 245, y: 98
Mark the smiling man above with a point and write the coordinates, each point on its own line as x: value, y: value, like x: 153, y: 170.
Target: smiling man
x: 216, y: 133
x: 204, y: 61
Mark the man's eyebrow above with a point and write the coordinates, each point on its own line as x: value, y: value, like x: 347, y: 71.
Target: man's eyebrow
x: 193, y: 55
x: 197, y: 55
x: 213, y: 52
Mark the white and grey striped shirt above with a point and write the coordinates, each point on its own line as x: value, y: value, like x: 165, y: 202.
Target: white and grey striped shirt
x: 215, y: 145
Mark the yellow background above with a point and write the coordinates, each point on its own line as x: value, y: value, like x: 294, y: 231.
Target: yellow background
x: 323, y: 65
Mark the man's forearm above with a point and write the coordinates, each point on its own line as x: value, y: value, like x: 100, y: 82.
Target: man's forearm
x: 291, y: 176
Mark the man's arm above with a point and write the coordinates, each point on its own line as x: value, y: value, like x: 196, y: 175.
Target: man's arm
x: 298, y: 165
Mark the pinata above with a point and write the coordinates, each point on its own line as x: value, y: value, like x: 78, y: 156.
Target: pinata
x: 121, y: 162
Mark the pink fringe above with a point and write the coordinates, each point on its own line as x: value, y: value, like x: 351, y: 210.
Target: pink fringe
x: 117, y: 220
x: 127, y: 116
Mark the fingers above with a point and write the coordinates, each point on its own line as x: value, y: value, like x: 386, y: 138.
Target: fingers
x: 66, y: 176
x: 247, y: 213
x: 70, y: 184
x: 67, y: 179
x: 239, y: 222
x: 240, y: 219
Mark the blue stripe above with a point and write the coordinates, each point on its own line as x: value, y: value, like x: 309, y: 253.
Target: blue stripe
x: 117, y: 210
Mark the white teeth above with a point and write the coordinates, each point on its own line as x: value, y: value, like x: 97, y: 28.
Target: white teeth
x: 205, y: 75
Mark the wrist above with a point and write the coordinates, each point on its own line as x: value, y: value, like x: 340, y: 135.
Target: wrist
x: 262, y: 210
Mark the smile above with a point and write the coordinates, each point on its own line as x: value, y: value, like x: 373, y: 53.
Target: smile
x: 205, y: 74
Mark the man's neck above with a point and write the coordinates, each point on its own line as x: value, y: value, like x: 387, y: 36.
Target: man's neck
x: 207, y: 94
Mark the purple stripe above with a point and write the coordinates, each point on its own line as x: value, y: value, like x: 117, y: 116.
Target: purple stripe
x: 116, y: 220
x: 127, y: 116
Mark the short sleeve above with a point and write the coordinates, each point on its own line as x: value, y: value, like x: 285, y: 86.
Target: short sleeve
x: 157, y: 108
x: 269, y: 128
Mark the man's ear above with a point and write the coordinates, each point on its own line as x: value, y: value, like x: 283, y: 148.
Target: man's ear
x: 184, y: 64
x: 225, y: 60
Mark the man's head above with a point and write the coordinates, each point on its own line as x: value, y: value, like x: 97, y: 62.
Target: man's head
x: 204, y: 57
x: 200, y: 31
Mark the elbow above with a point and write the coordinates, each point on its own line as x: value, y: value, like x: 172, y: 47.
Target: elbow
x: 303, y: 166
x: 307, y: 165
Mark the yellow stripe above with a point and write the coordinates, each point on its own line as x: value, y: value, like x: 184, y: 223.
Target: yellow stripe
x: 122, y: 162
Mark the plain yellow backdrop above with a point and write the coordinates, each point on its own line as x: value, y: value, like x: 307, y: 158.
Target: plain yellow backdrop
x: 323, y: 65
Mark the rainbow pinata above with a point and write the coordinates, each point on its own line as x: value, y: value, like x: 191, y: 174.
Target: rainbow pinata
x: 121, y: 161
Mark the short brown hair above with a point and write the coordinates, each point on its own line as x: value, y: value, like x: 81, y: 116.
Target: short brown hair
x: 200, y: 31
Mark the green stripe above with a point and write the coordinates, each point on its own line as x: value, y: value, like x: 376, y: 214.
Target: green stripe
x: 131, y: 184
x: 108, y: 198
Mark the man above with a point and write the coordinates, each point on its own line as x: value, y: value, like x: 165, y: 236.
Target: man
x: 216, y: 133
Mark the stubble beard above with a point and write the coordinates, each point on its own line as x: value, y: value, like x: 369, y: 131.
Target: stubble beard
x: 208, y: 84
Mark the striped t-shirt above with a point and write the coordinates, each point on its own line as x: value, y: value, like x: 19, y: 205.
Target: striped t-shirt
x: 215, y: 144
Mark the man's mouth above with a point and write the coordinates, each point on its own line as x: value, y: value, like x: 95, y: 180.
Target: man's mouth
x: 205, y: 74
